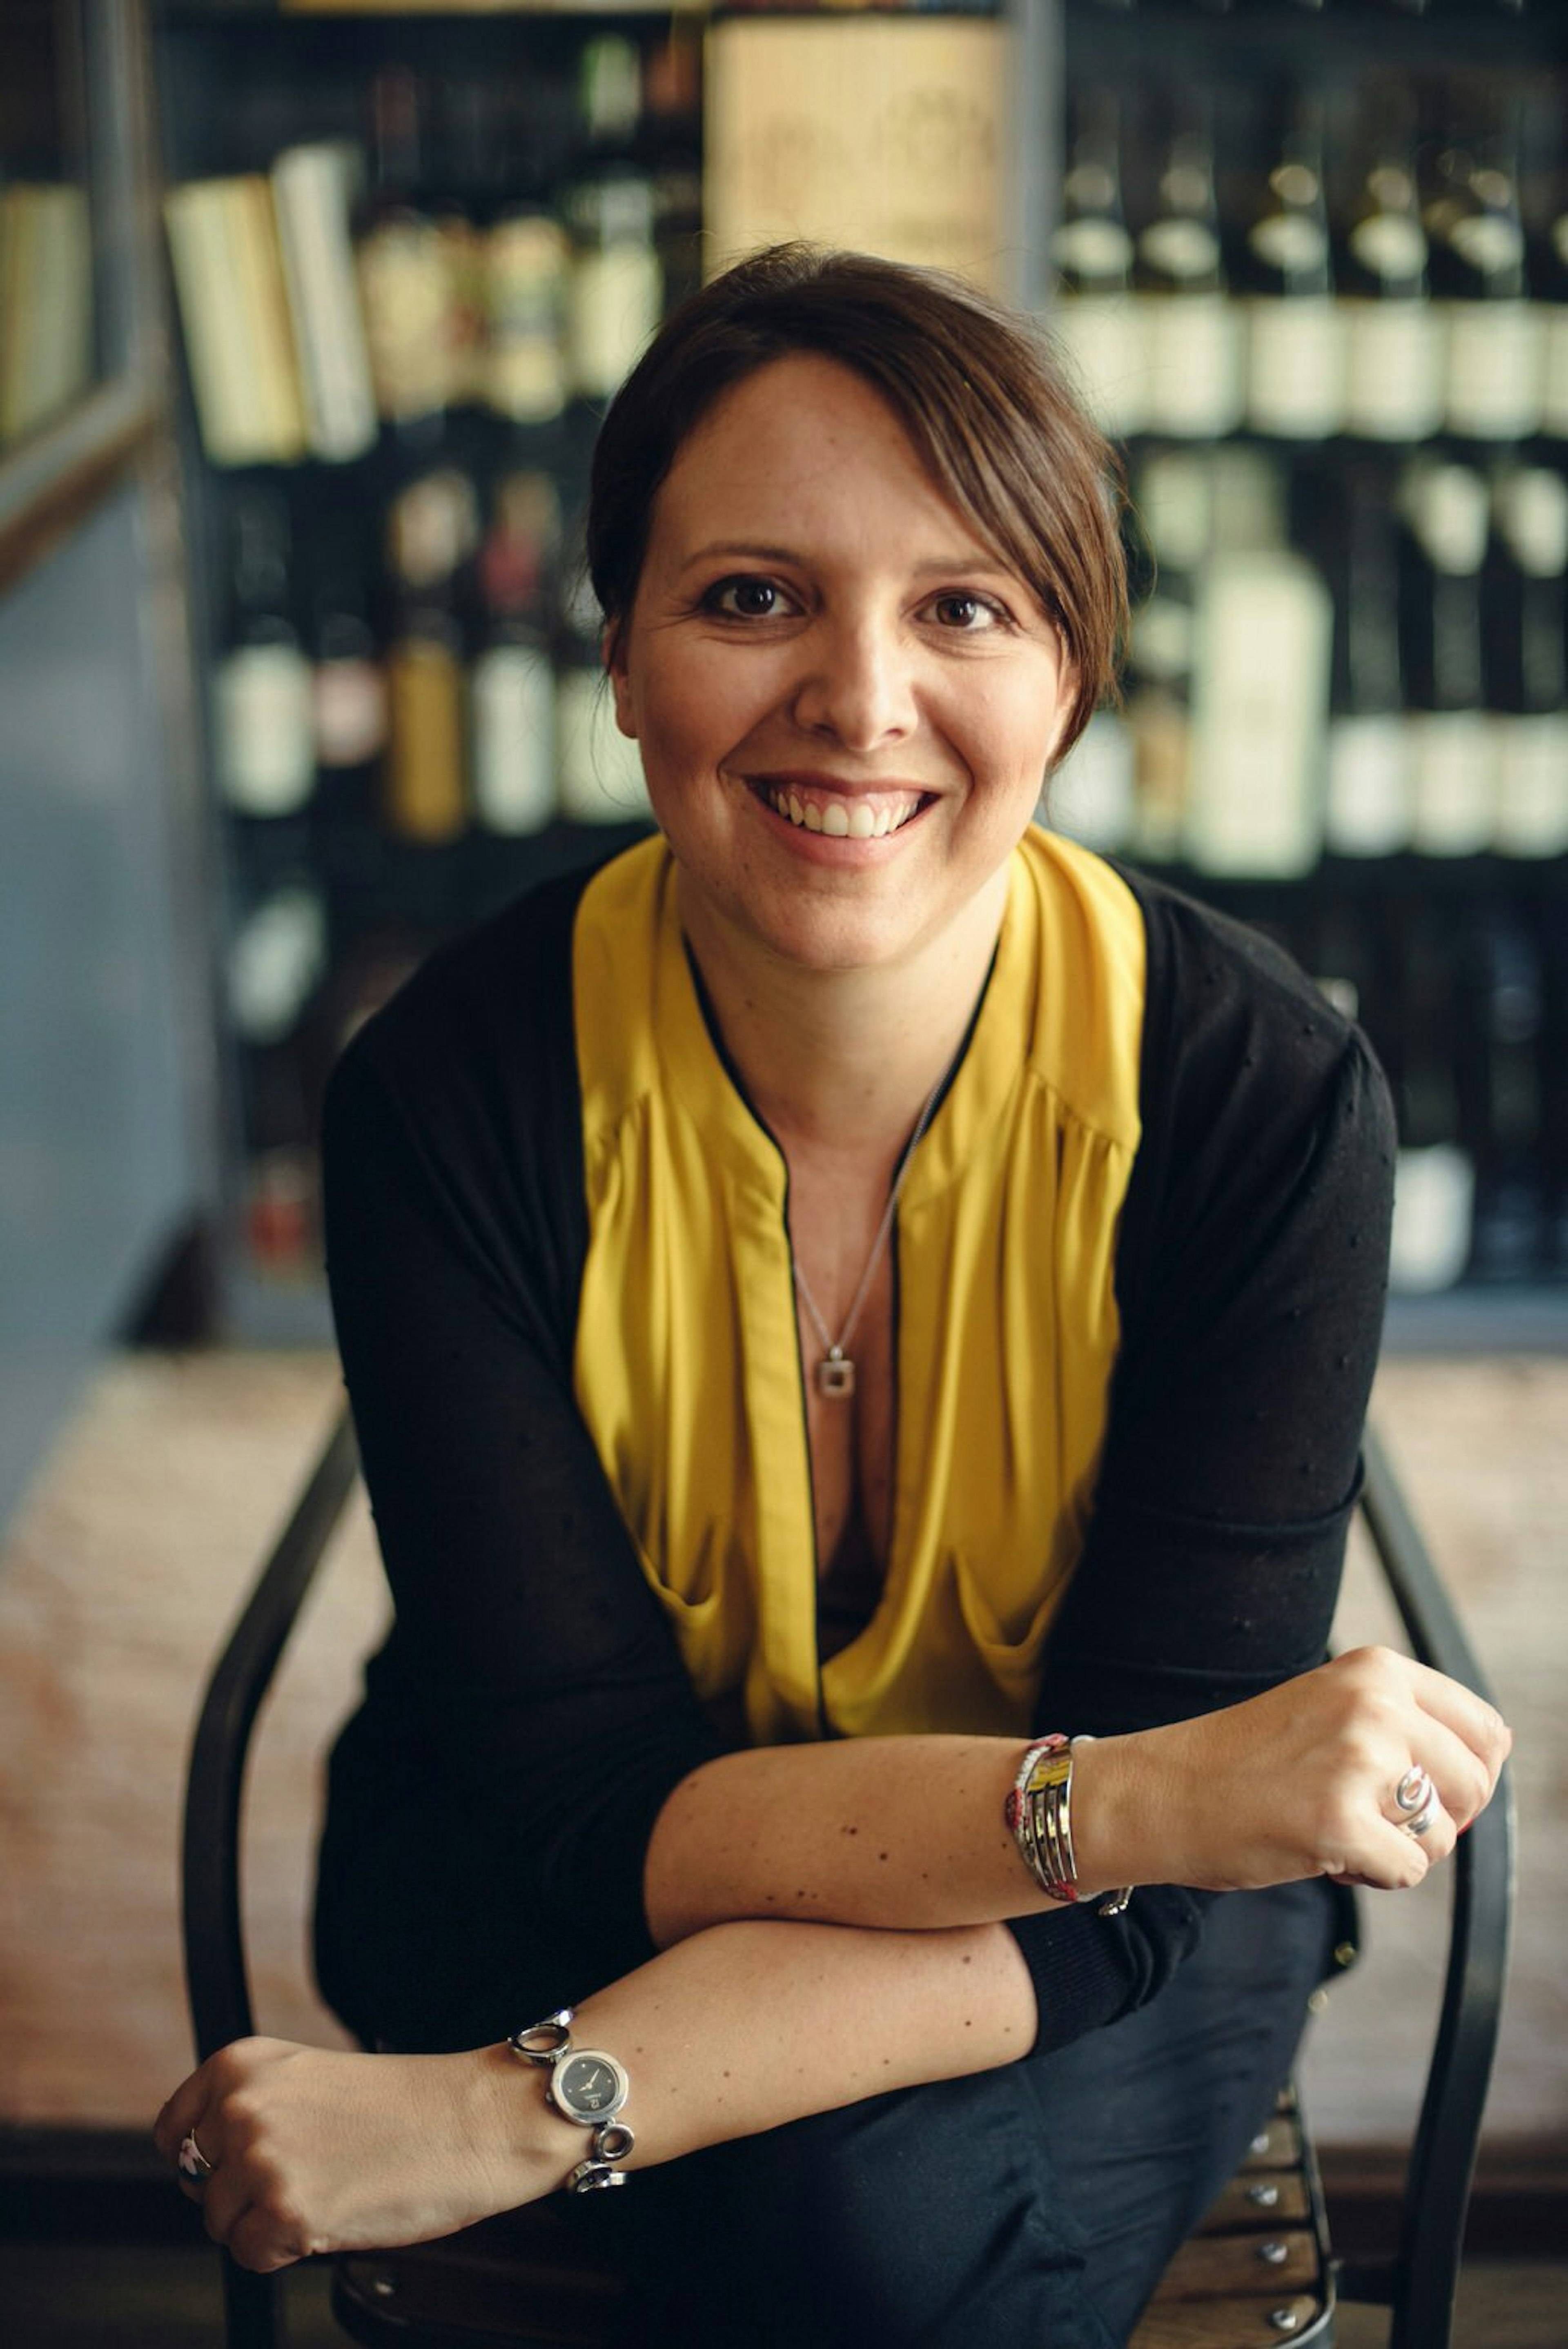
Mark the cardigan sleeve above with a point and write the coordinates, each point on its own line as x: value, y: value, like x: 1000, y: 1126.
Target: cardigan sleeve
x: 1252, y: 1273
x: 492, y: 1804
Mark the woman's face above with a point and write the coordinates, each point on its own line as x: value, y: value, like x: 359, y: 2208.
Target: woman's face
x: 846, y: 703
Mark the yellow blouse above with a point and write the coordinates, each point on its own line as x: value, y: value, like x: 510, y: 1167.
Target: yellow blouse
x: 688, y: 1368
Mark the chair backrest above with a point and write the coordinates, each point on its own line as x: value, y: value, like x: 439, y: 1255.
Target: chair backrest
x: 1418, y: 2283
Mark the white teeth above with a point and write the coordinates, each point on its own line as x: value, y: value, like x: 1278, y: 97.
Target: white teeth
x: 855, y: 821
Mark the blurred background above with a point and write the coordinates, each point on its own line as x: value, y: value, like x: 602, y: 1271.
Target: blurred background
x: 308, y: 310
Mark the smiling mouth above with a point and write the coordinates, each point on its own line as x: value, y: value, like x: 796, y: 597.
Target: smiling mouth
x: 866, y: 816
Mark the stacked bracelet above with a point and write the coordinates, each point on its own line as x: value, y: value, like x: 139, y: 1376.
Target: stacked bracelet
x: 1039, y: 1813
x: 587, y: 2086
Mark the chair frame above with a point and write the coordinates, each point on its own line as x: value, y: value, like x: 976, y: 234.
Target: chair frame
x: 1417, y: 2283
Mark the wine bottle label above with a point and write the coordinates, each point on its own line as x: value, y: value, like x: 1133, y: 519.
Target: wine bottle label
x: 1368, y: 811
x: 1102, y: 336
x: 1453, y: 786
x: 1195, y: 358
x: 1532, y: 785
x: 1185, y: 251
x: 1393, y: 370
x: 1552, y: 331
x: 264, y: 728
x: 527, y: 262
x: 403, y: 285
x: 350, y: 712
x: 511, y: 691
x: 1162, y: 765
x: 1295, y: 366
x: 601, y: 779
x: 425, y: 795
x: 275, y: 963
x: 613, y: 309
x: 1090, y: 797
x: 1434, y: 1206
x: 1292, y: 243
x: 1093, y: 248
x: 1391, y: 245
x: 1259, y: 714
x: 1493, y: 369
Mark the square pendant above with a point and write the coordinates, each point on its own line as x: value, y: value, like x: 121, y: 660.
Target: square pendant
x: 835, y: 1377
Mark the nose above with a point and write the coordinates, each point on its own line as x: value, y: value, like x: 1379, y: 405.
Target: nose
x: 858, y: 682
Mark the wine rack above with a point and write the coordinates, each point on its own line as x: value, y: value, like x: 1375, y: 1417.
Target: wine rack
x: 1345, y: 711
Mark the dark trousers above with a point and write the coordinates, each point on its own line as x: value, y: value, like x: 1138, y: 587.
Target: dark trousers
x: 1030, y: 2207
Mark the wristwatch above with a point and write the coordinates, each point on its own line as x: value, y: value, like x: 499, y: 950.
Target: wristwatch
x: 585, y: 2085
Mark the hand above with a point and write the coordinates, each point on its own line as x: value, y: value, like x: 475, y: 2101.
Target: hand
x: 313, y: 2151
x: 1296, y: 1782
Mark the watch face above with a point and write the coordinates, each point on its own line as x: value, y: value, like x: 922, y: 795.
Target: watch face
x: 589, y: 2086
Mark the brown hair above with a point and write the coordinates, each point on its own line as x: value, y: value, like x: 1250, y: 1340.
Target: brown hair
x: 977, y: 390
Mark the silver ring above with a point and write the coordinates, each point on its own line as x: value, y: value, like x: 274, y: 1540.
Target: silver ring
x: 191, y: 2162
x: 1414, y: 1790
x: 1422, y: 1820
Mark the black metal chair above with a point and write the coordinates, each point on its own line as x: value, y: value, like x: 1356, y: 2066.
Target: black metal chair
x: 1261, y: 2269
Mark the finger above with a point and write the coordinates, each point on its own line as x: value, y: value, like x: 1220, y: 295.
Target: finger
x: 180, y: 2114
x: 1470, y: 1717
x: 258, y: 2239
x: 1463, y: 1780
x: 1388, y: 1858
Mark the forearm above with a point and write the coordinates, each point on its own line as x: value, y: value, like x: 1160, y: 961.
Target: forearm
x: 748, y: 2026
x: 902, y: 1833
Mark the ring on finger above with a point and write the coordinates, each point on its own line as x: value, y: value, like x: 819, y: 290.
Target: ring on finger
x: 1423, y: 1818
x: 191, y: 2162
x: 1414, y: 1791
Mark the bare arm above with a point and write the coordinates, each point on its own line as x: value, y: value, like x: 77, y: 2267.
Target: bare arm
x: 314, y: 2151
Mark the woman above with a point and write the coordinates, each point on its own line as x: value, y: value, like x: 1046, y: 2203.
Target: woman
x: 856, y: 1288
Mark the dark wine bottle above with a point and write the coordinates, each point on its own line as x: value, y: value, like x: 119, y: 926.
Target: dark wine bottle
x: 1175, y: 504
x: 435, y: 527
x: 1499, y: 1088
x: 1527, y: 649
x: 1393, y: 367
x: 1492, y: 329
x: 1368, y: 811
x: 1453, y: 737
x: 512, y: 683
x: 262, y: 745
x: 1094, y: 314
x: 1191, y: 329
x: 1295, y: 348
x: 1433, y: 1184
x: 349, y: 681
x: 405, y: 282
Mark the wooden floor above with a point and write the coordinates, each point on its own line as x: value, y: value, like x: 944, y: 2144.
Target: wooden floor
x: 126, y: 1564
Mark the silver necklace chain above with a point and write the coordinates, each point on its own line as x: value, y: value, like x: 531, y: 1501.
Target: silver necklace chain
x: 835, y: 1373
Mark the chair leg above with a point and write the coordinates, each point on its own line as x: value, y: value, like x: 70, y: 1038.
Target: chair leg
x: 253, y: 2309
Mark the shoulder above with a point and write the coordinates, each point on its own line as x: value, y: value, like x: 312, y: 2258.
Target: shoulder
x: 1260, y: 1103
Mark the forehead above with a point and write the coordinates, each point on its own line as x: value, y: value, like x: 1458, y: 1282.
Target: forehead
x: 803, y: 435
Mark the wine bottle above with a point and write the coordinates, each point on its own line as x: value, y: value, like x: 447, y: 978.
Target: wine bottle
x: 262, y: 731
x: 433, y: 529
x: 1493, y: 350
x: 1527, y: 645
x: 1500, y: 1062
x: 1094, y: 318
x: 1393, y: 371
x: 601, y: 775
x: 1191, y: 331
x: 459, y: 138
x: 1261, y: 686
x: 615, y: 292
x: 1175, y: 506
x: 1453, y: 737
x: 1295, y: 347
x: 405, y: 285
x: 526, y: 263
x: 348, y: 682
x: 1434, y: 1176
x: 1547, y: 260
x: 1368, y: 805
x: 512, y: 684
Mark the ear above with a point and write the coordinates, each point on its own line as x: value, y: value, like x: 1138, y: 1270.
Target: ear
x: 612, y: 652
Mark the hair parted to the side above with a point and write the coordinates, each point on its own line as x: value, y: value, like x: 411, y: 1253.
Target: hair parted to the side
x: 977, y: 390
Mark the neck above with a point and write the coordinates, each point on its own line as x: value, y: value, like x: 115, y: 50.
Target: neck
x: 840, y: 1063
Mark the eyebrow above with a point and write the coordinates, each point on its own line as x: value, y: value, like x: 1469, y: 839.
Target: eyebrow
x: 935, y: 567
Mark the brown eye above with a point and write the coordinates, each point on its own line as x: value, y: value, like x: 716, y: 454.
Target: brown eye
x: 745, y: 599
x: 965, y: 613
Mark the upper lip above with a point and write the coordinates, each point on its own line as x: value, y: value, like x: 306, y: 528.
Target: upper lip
x: 803, y: 779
